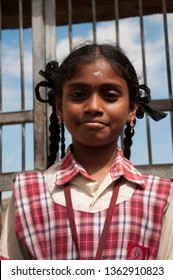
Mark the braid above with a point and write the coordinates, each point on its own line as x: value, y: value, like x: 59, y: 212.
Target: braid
x: 128, y: 139
x: 52, y: 77
x: 62, y: 140
x: 54, y: 137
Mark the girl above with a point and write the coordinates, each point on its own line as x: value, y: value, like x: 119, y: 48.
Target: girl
x: 93, y: 203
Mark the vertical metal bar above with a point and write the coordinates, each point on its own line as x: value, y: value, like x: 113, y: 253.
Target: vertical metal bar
x: 0, y: 112
x: 70, y: 24
x: 21, y: 53
x: 38, y: 41
x: 167, y: 48
x: 94, y: 21
x: 0, y: 86
x: 22, y: 77
x: 50, y: 50
x: 50, y: 30
x: 164, y: 8
x: 117, y: 36
x: 116, y: 7
x: 145, y: 76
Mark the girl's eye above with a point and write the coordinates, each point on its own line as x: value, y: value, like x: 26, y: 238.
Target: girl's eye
x: 110, y: 96
x: 78, y: 95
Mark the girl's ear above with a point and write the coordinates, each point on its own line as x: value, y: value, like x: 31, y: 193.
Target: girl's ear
x: 58, y: 106
x: 132, y: 112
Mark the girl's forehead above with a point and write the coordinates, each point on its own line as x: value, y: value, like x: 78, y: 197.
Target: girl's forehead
x: 97, y: 73
x: 97, y: 62
x: 97, y: 68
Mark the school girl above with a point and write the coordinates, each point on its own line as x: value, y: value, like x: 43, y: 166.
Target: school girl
x: 93, y: 203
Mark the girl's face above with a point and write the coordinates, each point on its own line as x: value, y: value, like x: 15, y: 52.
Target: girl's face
x: 95, y: 105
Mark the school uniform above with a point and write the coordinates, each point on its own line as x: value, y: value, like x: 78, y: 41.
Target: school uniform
x: 141, y: 225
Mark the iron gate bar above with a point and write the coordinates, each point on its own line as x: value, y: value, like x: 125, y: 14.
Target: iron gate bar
x: 0, y: 107
x: 0, y: 86
x: 20, y: 117
x: 70, y: 25
x: 116, y: 9
x: 38, y: 31
x: 94, y: 21
x: 168, y: 66
x: 145, y: 77
x: 50, y: 52
x: 22, y: 78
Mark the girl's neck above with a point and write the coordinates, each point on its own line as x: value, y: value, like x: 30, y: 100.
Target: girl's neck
x: 95, y: 160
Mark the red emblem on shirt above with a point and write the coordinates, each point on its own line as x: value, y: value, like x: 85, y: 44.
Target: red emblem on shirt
x: 136, y: 252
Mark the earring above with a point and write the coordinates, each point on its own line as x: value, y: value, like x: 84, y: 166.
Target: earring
x: 60, y: 122
x: 132, y: 127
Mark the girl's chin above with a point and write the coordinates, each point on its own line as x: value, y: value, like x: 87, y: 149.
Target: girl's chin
x: 92, y: 143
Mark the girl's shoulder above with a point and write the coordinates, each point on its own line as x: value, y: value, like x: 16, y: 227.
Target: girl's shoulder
x: 28, y: 182
x: 29, y: 176
x: 156, y: 179
x: 36, y: 175
x: 159, y: 184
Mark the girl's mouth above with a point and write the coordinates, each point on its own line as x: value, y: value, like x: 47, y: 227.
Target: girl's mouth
x: 94, y: 124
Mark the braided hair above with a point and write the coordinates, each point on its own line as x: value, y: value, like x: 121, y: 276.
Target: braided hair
x: 56, y: 76
x: 56, y: 127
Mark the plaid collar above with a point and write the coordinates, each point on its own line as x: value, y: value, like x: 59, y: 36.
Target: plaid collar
x: 68, y: 168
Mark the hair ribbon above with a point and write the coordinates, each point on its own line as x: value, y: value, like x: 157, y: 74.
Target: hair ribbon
x: 144, y: 106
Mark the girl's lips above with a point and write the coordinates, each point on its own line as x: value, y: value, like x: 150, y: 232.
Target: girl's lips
x: 94, y: 124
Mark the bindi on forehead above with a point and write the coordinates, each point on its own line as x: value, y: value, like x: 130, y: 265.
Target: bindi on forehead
x: 97, y: 74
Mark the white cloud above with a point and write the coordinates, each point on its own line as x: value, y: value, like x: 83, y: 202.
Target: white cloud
x: 9, y: 161
x: 11, y: 63
x: 12, y: 98
x: 11, y: 84
x: 158, y: 19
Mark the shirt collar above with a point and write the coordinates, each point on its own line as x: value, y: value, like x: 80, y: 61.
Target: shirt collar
x: 123, y: 167
x: 68, y: 168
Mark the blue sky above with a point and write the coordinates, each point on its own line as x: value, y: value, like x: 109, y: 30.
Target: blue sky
x: 130, y: 42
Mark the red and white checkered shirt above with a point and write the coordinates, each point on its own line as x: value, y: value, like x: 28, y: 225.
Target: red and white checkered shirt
x: 135, y: 230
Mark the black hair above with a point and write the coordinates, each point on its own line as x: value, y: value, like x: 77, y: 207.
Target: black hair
x: 57, y: 75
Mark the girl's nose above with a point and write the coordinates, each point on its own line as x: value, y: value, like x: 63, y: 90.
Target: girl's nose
x: 94, y: 104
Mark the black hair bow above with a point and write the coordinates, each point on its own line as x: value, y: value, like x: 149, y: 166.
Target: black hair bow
x: 50, y: 74
x: 144, y: 106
